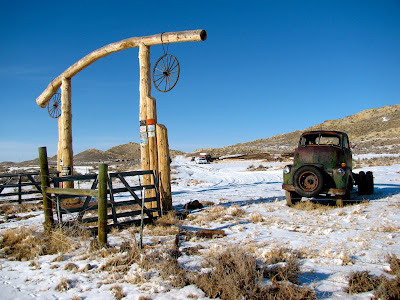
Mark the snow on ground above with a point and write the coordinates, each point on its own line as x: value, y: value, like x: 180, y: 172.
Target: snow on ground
x: 333, y: 241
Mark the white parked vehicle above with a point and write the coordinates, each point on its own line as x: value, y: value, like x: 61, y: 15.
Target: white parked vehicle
x: 200, y: 160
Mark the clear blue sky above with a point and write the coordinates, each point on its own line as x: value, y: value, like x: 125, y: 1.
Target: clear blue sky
x: 266, y: 68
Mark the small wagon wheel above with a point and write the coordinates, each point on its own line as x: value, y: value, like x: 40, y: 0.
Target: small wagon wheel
x: 166, y: 73
x: 54, y: 106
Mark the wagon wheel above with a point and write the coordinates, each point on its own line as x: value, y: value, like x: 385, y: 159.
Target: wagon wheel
x: 166, y: 73
x: 54, y: 106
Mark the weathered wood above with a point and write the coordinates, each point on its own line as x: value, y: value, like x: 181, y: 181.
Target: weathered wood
x: 102, y: 212
x: 59, y: 145
x: 145, y: 90
x: 167, y: 37
x: 72, y: 192
x: 164, y: 168
x: 151, y: 131
x: 66, y: 128
x: 44, y: 174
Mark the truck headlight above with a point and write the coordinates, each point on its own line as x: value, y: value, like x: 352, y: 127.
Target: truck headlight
x: 287, y: 169
x: 340, y: 172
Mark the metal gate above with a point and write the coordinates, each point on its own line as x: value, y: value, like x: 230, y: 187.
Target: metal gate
x: 125, y: 194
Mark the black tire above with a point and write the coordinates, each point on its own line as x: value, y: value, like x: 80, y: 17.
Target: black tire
x: 369, y: 183
x: 292, y: 198
x: 308, y: 181
x: 361, y: 183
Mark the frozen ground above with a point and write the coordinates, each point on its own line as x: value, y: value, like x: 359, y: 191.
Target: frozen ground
x: 333, y: 241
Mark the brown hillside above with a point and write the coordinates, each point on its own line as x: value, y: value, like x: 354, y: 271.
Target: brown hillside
x: 370, y: 131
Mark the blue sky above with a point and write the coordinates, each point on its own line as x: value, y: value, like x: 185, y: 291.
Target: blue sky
x: 266, y: 68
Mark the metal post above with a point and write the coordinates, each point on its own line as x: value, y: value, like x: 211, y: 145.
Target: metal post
x: 141, y: 218
x: 19, y: 189
x: 44, y: 175
x: 102, y: 210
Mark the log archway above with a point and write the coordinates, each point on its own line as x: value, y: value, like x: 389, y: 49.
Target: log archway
x: 149, y: 148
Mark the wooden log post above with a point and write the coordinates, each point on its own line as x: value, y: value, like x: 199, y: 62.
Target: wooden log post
x: 59, y: 155
x: 44, y: 175
x: 151, y: 133
x: 164, y: 167
x: 66, y: 130
x: 102, y: 204
x: 144, y: 89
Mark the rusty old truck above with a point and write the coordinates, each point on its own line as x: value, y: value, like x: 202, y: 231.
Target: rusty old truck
x: 323, y: 168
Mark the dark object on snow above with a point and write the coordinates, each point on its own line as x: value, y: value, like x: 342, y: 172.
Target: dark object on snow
x: 210, y: 233
x: 195, y: 204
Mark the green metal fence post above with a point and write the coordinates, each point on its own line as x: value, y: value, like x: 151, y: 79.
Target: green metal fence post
x: 44, y: 174
x: 102, y: 214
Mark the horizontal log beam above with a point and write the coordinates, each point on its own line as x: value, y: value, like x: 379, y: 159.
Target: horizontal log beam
x: 151, y: 40
x: 72, y: 192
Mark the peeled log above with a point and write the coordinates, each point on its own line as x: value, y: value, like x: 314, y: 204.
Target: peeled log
x: 167, y: 37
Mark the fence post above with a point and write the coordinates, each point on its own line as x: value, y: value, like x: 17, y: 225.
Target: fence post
x: 19, y: 189
x: 44, y: 175
x: 102, y: 214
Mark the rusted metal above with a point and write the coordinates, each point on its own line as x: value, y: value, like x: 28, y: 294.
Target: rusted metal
x: 322, y: 164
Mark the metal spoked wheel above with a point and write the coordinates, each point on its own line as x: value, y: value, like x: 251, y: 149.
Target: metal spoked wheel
x: 54, y: 106
x: 166, y: 73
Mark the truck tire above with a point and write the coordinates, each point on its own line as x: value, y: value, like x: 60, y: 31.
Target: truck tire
x: 308, y: 181
x: 369, y: 183
x: 361, y: 183
x: 292, y: 198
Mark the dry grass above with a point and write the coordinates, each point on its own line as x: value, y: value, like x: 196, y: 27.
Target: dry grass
x: 236, y: 211
x: 309, y: 206
x: 207, y: 203
x: 376, y: 161
x: 168, y: 219
x: 282, y: 292
x: 71, y: 267
x: 233, y: 276
x: 64, y: 285
x: 15, y: 208
x: 236, y: 275
x: 394, y: 263
x: 171, y: 271
x: 361, y: 281
x: 121, y: 261
x: 256, y: 217
x: 259, y: 168
x: 117, y: 291
x: 26, y: 243
x: 385, y: 288
x: 210, y: 214
x: 389, y: 289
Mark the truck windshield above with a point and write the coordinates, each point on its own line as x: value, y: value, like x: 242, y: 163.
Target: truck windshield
x: 320, y: 139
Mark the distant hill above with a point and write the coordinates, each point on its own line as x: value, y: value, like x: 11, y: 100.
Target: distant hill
x: 370, y: 131
x: 374, y: 130
x: 130, y: 151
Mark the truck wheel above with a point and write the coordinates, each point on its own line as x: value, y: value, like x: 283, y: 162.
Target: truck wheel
x: 308, y: 181
x: 369, y: 183
x: 361, y: 183
x: 292, y: 198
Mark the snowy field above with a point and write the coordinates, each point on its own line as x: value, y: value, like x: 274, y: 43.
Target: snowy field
x: 250, y: 207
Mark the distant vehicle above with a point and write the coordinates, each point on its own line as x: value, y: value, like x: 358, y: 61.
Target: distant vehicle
x: 323, y: 165
x: 200, y: 160
x: 206, y: 156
